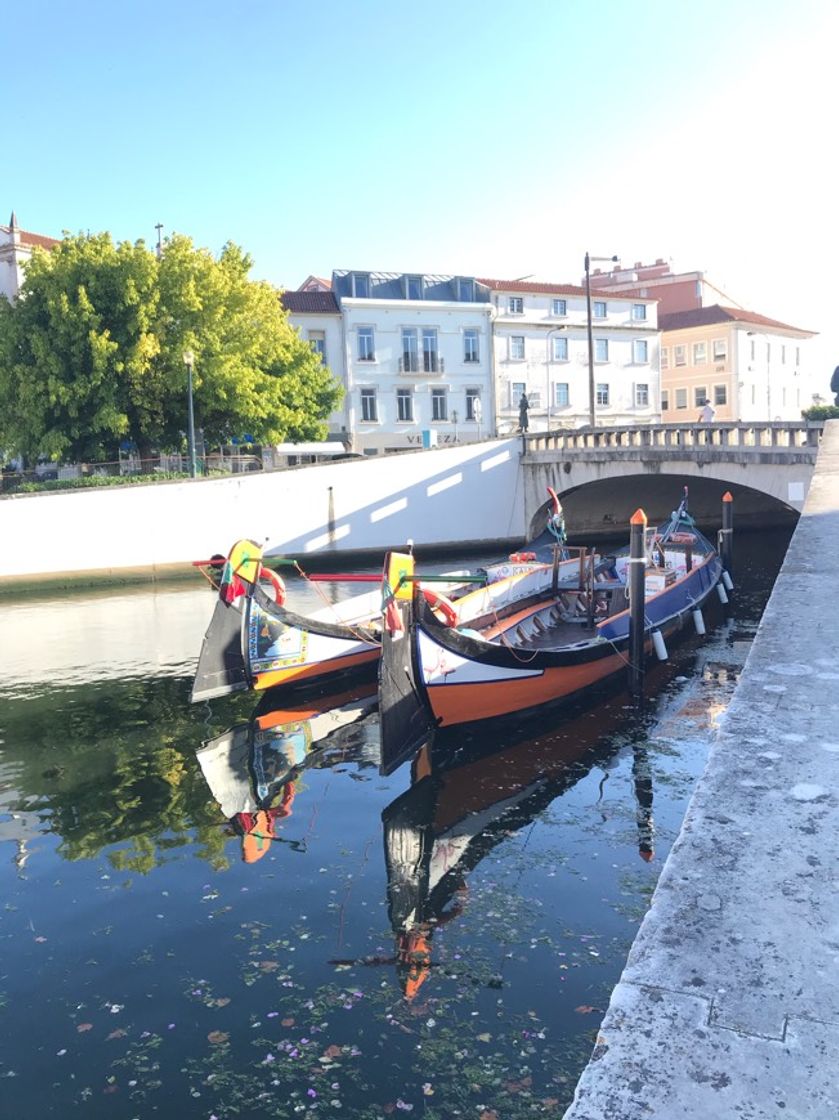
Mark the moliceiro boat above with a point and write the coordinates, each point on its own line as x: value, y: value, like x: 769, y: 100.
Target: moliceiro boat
x: 256, y: 641
x: 547, y: 640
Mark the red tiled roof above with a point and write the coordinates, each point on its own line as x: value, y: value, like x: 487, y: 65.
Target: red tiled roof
x: 312, y: 303
x: 537, y: 287
x: 33, y: 238
x: 708, y: 316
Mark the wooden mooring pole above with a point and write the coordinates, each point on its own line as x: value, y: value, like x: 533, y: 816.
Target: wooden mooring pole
x: 637, y: 565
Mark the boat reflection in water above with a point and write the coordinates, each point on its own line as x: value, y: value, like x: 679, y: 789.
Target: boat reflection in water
x: 252, y: 768
x: 466, y: 797
x: 467, y: 794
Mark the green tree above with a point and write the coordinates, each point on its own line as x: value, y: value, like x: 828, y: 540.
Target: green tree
x: 92, y: 352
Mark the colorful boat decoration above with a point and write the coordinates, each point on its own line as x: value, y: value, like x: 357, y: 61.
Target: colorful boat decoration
x: 556, y: 636
x: 256, y: 641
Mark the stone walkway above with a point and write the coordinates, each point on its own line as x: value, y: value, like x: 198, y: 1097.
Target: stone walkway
x: 729, y: 1003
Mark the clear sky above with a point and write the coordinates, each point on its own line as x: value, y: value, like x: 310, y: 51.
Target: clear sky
x: 481, y: 137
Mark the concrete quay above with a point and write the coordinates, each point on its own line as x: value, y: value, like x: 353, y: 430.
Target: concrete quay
x: 729, y: 1004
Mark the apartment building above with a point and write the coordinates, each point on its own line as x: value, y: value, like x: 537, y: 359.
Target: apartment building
x: 417, y: 359
x: 540, y: 348
x: 314, y: 312
x: 748, y: 366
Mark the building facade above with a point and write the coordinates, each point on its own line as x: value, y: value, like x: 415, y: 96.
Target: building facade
x: 16, y: 247
x: 417, y: 359
x: 749, y: 367
x: 315, y: 314
x: 540, y: 348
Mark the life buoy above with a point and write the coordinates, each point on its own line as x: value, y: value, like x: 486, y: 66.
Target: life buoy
x: 442, y: 605
x: 276, y: 581
x: 522, y: 557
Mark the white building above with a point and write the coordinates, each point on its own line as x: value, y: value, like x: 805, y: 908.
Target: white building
x: 16, y: 247
x: 315, y: 314
x: 417, y: 355
x: 540, y: 348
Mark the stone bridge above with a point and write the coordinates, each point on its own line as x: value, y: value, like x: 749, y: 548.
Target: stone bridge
x: 603, y: 474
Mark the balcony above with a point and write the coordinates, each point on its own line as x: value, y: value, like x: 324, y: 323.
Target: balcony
x: 427, y: 363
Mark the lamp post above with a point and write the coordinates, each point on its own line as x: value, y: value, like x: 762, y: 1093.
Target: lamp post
x: 588, y: 261
x: 454, y: 421
x: 189, y: 362
x: 553, y: 330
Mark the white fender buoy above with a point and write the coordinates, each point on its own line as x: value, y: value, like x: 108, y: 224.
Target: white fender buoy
x: 698, y: 621
x: 722, y: 593
x: 727, y: 580
x: 660, y: 647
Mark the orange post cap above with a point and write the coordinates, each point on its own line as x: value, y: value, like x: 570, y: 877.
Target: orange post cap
x: 638, y: 518
x: 727, y: 496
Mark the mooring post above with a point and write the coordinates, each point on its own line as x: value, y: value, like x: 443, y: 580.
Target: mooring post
x: 727, y: 531
x: 637, y: 564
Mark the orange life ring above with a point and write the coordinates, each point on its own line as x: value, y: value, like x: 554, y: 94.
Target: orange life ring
x: 276, y: 581
x: 440, y: 603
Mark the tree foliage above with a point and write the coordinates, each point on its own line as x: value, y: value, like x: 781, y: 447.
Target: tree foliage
x: 92, y: 352
x: 821, y: 412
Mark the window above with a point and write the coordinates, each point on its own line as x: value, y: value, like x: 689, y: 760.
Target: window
x: 317, y: 341
x: 602, y: 393
x: 369, y: 411
x: 599, y: 309
x: 515, y: 305
x: 752, y: 351
x: 783, y: 355
x: 404, y: 405
x: 720, y: 394
x: 430, y: 358
x: 516, y: 390
x: 680, y: 355
x: 665, y: 358
x: 470, y: 346
x: 559, y: 348
x: 665, y: 401
x: 640, y: 351
x: 768, y: 352
x: 517, y: 348
x: 681, y: 398
x: 642, y: 395
x: 413, y: 287
x: 601, y: 349
x: 439, y: 410
x: 639, y: 312
x: 700, y: 395
x: 410, y: 350
x: 465, y: 289
x: 562, y: 395
x: 559, y: 307
x: 720, y: 349
x: 700, y: 353
x: 366, y: 346
x: 473, y: 404
x: 798, y: 355
x: 361, y: 285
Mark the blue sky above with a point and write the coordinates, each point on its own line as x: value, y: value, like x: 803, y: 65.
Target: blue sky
x: 485, y: 137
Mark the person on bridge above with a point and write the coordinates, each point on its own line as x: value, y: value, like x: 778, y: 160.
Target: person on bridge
x: 523, y: 407
x: 706, y: 416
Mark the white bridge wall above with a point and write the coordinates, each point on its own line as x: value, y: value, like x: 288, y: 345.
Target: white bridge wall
x: 468, y: 493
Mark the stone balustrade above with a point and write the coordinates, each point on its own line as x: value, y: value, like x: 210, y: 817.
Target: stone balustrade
x: 745, y: 438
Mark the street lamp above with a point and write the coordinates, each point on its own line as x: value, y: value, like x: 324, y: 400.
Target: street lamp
x: 588, y: 261
x: 189, y: 362
x: 553, y: 330
x: 454, y: 421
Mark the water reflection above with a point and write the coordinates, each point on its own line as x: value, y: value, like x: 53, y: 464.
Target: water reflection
x: 466, y: 795
x: 252, y: 768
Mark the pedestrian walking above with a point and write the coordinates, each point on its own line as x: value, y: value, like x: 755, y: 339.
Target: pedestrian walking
x: 706, y: 416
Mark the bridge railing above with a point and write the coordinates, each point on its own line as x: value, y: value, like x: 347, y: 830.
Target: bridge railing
x: 776, y: 434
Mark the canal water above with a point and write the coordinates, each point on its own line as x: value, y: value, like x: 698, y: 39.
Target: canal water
x: 443, y: 946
